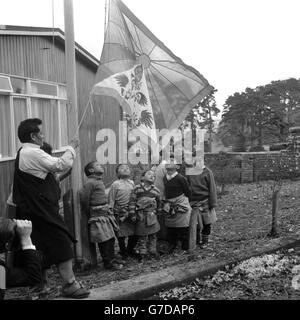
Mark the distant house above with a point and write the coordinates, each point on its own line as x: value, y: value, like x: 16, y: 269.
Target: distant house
x: 33, y: 84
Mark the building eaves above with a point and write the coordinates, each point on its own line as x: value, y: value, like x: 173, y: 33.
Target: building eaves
x: 47, y: 32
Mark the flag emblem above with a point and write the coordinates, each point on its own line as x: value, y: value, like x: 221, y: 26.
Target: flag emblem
x: 131, y: 91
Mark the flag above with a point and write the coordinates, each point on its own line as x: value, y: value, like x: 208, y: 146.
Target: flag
x: 173, y: 88
x: 130, y: 89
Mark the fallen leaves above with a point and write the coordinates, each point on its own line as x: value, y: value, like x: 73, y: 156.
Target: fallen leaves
x: 259, y: 277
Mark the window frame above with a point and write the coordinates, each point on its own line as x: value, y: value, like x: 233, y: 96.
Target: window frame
x: 28, y: 96
x: 3, y: 91
x: 41, y: 95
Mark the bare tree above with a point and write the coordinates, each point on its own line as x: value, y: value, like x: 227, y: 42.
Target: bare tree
x: 278, y: 168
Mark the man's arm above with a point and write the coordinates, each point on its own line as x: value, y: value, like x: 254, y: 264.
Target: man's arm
x: 55, y: 164
x: 29, y: 270
x: 38, y: 160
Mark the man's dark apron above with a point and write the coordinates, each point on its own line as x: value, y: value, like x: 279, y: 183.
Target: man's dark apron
x: 37, y: 200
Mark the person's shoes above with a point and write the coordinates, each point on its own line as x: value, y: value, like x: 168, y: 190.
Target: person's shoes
x: 204, y: 242
x: 74, y: 290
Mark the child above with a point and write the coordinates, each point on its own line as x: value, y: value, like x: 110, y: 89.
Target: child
x: 118, y: 199
x: 144, y: 206
x: 203, y: 201
x: 177, y: 208
x: 102, y: 224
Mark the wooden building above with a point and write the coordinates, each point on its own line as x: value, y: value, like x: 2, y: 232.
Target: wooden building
x: 33, y: 84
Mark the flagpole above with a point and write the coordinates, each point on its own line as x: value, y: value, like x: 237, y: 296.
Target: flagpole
x: 76, y: 181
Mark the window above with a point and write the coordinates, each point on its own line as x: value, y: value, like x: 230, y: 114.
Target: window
x: 47, y: 111
x: 19, y: 85
x: 5, y: 85
x: 43, y: 88
x: 5, y: 127
x: 22, y: 98
x: 62, y: 92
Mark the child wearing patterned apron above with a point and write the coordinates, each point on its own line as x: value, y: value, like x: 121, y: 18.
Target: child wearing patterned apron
x: 143, y: 208
x: 118, y: 200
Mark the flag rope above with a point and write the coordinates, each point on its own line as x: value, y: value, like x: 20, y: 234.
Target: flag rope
x: 105, y: 18
x: 53, y: 39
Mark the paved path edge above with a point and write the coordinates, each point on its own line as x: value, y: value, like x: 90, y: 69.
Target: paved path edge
x: 147, y: 285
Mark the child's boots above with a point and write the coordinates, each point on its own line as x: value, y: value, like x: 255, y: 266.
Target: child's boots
x: 204, y: 242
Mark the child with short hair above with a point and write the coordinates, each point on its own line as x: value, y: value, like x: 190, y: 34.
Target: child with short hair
x: 176, y: 208
x: 144, y: 206
x: 203, y: 200
x: 118, y: 199
x: 102, y: 224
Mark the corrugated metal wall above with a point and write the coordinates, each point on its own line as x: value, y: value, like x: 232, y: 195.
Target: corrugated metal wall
x: 35, y: 57
x: 6, y: 178
x: 32, y: 57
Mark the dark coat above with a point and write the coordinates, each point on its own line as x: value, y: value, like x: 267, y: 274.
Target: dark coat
x: 27, y: 272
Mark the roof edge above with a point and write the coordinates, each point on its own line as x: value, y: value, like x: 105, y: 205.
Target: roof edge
x: 44, y: 31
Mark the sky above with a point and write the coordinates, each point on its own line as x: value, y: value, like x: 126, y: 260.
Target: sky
x: 234, y: 44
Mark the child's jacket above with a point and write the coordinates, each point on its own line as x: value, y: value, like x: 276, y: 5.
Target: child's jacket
x: 102, y: 224
x: 177, y: 210
x: 118, y: 199
x: 203, y: 187
x: 145, y: 205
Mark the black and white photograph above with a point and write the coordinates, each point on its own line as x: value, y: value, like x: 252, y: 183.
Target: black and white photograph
x: 150, y: 153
